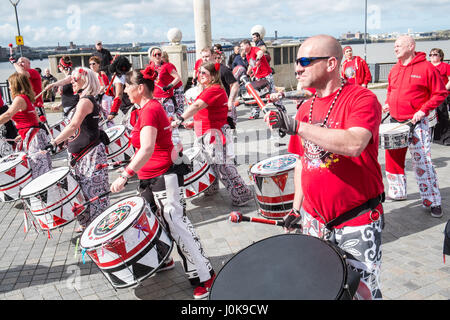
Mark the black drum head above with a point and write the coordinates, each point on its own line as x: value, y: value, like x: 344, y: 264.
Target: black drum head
x: 284, y: 267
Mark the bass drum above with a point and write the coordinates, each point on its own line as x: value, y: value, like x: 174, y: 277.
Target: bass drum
x: 286, y: 267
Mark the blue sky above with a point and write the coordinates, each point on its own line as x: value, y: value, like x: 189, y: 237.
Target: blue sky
x: 45, y: 22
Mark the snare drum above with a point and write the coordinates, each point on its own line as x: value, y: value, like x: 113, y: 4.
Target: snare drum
x: 15, y: 173
x: 127, y: 242
x: 119, y: 148
x: 432, y: 118
x: 191, y: 94
x: 273, y: 179
x: 202, y: 175
x: 394, y: 136
x: 286, y: 267
x: 51, y: 196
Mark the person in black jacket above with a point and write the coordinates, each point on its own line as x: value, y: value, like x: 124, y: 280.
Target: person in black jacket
x: 105, y: 57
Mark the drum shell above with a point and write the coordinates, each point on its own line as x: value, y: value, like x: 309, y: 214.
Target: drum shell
x: 52, y: 206
x: 432, y: 118
x: 274, y: 192
x: 202, y: 175
x: 56, y: 129
x: 14, y: 178
x: 119, y: 149
x: 133, y: 254
x: 393, y: 140
x: 285, y: 267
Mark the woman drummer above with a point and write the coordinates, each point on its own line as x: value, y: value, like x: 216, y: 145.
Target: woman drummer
x: 69, y: 98
x: 22, y: 112
x: 105, y: 98
x: 210, y: 111
x: 168, y: 77
x: 178, y: 88
x: 85, y: 145
x: 161, y: 179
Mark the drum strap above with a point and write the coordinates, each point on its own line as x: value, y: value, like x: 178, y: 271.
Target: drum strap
x: 349, y: 215
x: 74, y: 158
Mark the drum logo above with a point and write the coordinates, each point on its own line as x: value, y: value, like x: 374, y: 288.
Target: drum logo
x: 112, y: 220
x: 280, y: 164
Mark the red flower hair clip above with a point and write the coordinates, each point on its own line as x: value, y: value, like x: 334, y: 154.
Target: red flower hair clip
x: 217, y: 66
x: 149, y: 73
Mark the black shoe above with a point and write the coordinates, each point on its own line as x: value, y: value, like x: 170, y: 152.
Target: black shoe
x: 436, y: 212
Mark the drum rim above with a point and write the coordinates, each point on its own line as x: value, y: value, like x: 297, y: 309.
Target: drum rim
x: 123, y: 128
x: 275, y: 173
x: 125, y: 229
x: 57, y: 181
x: 21, y: 160
x: 328, y: 243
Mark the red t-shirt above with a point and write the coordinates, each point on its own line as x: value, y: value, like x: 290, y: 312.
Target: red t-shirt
x: 164, y: 79
x: 36, y: 84
x: 444, y: 71
x: 215, y: 115
x: 153, y: 114
x: 264, y: 68
x: 25, y: 119
x: 333, y: 184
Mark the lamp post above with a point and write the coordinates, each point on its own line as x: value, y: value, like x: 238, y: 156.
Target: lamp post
x: 15, y: 4
x: 365, y: 31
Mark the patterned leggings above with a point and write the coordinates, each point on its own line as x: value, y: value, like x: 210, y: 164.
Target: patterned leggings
x: 39, y: 163
x: 420, y: 149
x: 165, y: 192
x: 93, y: 182
x: 362, y: 245
x: 223, y: 167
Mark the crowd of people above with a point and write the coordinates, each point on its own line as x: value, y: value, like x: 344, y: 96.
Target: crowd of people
x: 335, y: 133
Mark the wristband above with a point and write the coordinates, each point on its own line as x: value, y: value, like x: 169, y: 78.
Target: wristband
x: 129, y: 172
x: 180, y: 118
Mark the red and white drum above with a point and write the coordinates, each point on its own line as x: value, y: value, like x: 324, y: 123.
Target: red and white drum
x: 273, y: 179
x: 56, y: 129
x: 119, y: 148
x: 15, y: 173
x: 202, y: 175
x: 191, y: 94
x: 51, y: 196
x: 127, y: 242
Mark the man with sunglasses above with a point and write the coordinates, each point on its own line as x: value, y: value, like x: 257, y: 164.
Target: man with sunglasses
x: 338, y: 180
x: 415, y: 88
x: 259, y: 68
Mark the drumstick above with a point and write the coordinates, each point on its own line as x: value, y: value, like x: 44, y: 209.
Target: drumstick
x: 40, y: 94
x: 400, y: 125
x: 10, y: 49
x: 387, y: 116
x: 251, y: 90
x: 77, y: 208
x: 237, y: 217
x: 104, y: 165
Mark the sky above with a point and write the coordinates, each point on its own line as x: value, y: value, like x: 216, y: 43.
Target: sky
x: 47, y: 23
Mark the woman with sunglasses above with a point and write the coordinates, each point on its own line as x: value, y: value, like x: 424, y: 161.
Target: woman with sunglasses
x: 161, y: 180
x: 22, y: 112
x: 168, y: 77
x: 178, y: 89
x: 69, y: 98
x: 85, y: 145
x: 210, y: 111
x: 441, y: 132
x: 105, y: 98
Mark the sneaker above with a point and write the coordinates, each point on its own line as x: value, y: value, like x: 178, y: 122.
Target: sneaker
x: 436, y: 212
x: 167, y: 265
x: 202, y: 291
x: 243, y: 203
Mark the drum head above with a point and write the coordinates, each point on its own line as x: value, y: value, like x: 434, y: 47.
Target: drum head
x: 284, y: 267
x: 10, y: 161
x: 112, y: 222
x: 191, y: 153
x: 275, y: 165
x: 44, y: 181
x: 115, y: 132
x: 388, y: 128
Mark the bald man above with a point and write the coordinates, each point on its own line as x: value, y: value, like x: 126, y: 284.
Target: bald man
x: 23, y: 66
x: 338, y: 182
x: 415, y: 88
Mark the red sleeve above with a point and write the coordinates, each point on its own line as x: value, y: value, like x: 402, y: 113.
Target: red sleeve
x: 365, y: 112
x: 367, y: 74
x: 105, y: 79
x: 438, y: 93
x: 148, y: 118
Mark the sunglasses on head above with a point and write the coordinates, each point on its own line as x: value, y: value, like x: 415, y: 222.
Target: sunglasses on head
x: 305, y: 61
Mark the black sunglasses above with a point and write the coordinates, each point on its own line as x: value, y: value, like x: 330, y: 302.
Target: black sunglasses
x: 433, y: 54
x: 305, y: 61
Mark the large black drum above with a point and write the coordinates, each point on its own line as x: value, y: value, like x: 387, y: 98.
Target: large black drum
x: 286, y: 267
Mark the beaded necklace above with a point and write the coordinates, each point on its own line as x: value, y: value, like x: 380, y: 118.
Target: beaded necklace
x: 331, y: 107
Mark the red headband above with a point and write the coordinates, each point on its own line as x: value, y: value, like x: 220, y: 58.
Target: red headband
x: 65, y: 65
x: 347, y: 47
